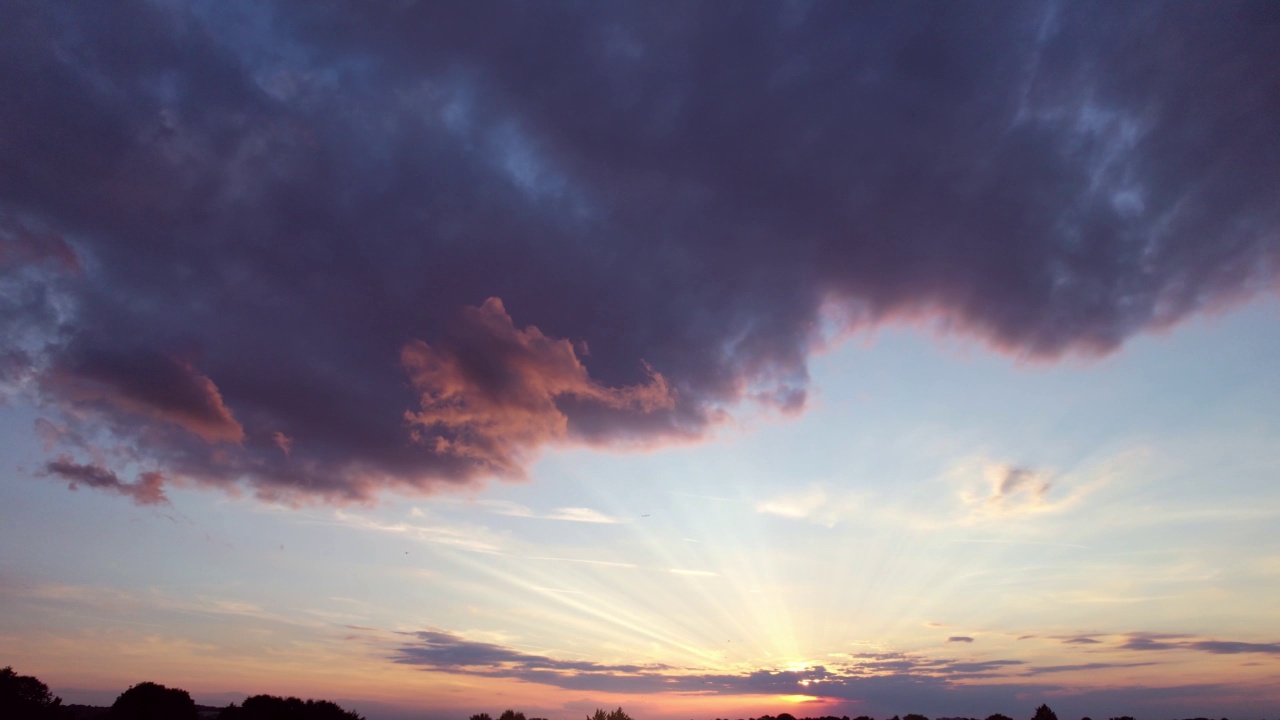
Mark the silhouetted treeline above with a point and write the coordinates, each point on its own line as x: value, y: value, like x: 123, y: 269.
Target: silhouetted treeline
x: 270, y: 707
x: 1042, y: 713
x: 26, y: 698
x: 23, y: 697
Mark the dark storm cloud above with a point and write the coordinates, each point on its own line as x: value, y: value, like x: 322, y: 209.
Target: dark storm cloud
x: 327, y: 249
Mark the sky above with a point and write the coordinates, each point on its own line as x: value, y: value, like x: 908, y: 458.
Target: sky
x: 704, y: 359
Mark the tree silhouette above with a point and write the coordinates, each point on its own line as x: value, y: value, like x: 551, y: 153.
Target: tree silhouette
x: 480, y: 716
x: 914, y: 716
x: 998, y: 716
x: 23, y: 697
x: 152, y: 701
x: 271, y: 707
x: 618, y: 714
x: 511, y: 715
x: 1044, y: 713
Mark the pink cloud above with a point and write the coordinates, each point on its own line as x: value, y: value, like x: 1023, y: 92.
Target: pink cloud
x: 148, y: 489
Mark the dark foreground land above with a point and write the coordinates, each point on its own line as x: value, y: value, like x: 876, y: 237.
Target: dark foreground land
x: 23, y: 697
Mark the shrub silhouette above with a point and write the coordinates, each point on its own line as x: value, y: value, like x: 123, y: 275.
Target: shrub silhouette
x: 511, y: 715
x: 914, y: 716
x: 271, y: 707
x: 998, y: 716
x: 23, y: 697
x: 152, y: 701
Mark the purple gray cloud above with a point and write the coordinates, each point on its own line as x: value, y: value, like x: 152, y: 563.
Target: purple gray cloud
x: 883, y: 683
x: 1166, y: 641
x: 329, y: 249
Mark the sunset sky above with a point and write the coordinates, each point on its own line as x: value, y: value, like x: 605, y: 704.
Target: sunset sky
x: 706, y: 359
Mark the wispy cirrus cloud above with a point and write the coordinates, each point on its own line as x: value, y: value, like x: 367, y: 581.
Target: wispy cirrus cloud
x: 816, y: 503
x: 567, y: 514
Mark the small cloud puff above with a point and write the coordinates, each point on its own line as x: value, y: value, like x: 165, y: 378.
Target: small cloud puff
x: 148, y: 489
x: 816, y: 504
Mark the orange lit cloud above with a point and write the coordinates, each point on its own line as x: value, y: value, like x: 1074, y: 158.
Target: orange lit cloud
x: 494, y: 395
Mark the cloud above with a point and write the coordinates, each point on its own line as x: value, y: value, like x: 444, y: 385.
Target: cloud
x: 882, y: 683
x: 1080, y: 640
x: 448, y: 652
x: 960, y: 639
x: 990, y: 490
x: 567, y: 514
x: 425, y: 245
x: 693, y: 573
x: 1043, y: 669
x: 494, y: 394
x: 165, y: 388
x: 148, y: 489
x: 1166, y: 641
x: 1014, y: 486
x: 583, y: 515
x: 815, y: 503
x: 795, y: 505
x: 445, y: 651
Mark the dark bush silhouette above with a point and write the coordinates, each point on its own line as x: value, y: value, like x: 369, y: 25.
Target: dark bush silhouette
x: 998, y: 716
x: 151, y: 701
x: 511, y: 715
x: 270, y: 707
x: 786, y: 716
x: 480, y: 716
x: 914, y: 716
x: 23, y: 697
